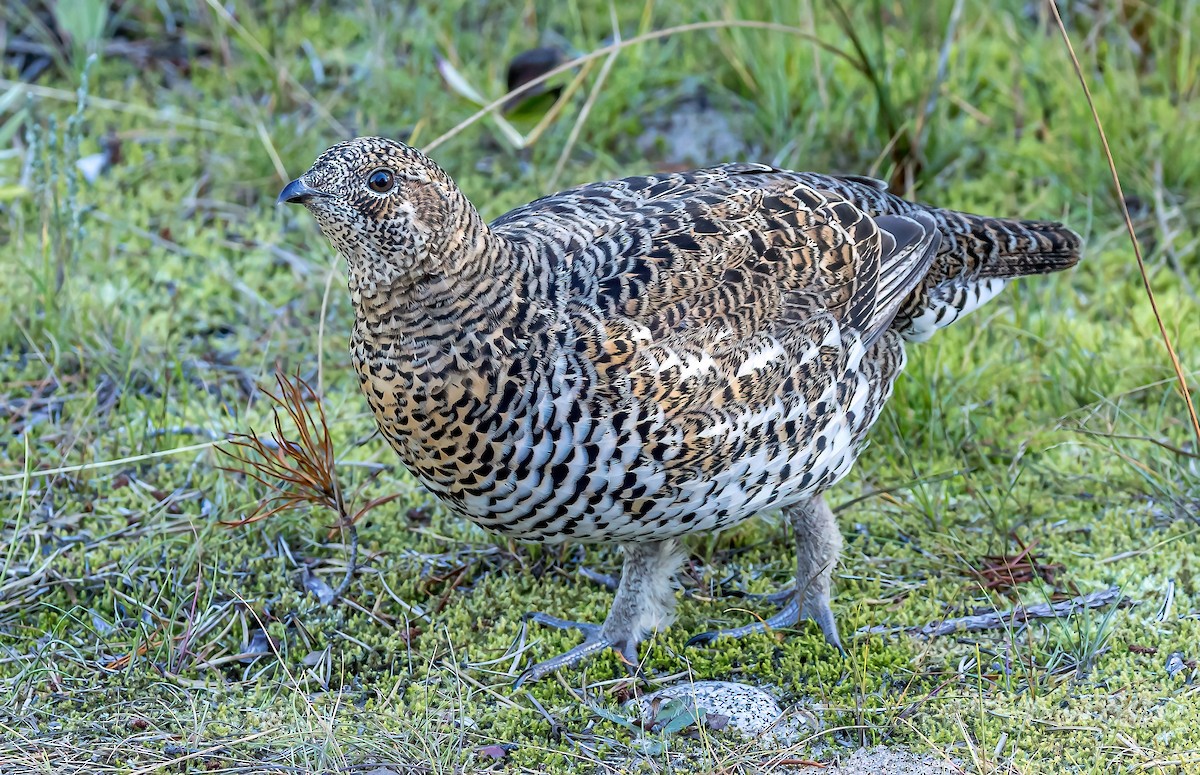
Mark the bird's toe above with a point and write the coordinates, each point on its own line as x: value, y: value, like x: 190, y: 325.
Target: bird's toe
x: 703, y: 638
x: 596, y: 640
x: 787, y: 616
x: 606, y: 580
x: 587, y: 628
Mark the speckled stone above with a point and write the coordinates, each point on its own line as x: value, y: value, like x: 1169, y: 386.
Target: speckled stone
x: 752, y: 712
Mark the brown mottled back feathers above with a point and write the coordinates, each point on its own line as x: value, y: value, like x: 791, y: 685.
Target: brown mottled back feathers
x: 739, y: 245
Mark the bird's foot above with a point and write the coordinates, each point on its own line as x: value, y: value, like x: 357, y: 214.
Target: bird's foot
x: 790, y: 613
x: 818, y: 543
x: 644, y: 601
x: 595, y: 641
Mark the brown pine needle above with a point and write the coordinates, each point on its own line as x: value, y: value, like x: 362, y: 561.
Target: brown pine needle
x: 299, y: 470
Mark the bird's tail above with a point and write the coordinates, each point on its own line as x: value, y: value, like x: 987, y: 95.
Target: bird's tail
x: 1011, y: 249
x: 977, y: 257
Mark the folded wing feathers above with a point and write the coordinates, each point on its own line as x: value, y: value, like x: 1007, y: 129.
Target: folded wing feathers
x: 907, y: 248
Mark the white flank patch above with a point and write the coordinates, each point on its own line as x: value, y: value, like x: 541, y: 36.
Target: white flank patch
x: 760, y: 359
x: 689, y: 365
x: 941, y: 313
x: 987, y: 291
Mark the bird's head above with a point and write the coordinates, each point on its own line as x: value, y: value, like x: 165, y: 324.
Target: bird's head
x: 390, y: 211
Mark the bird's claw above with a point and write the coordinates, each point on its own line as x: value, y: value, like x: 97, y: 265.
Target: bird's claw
x: 788, y: 615
x: 595, y: 640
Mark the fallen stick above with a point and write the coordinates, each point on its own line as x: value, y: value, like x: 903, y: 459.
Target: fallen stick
x: 1003, y: 619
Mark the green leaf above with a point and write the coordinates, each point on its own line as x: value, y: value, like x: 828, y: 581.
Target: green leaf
x: 82, y: 21
x: 682, y: 721
x: 533, y: 108
x: 615, y: 718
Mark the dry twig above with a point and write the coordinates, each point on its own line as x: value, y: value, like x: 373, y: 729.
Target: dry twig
x: 997, y: 620
x: 299, y: 472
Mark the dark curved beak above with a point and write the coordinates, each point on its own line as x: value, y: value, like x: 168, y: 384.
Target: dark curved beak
x: 297, y: 192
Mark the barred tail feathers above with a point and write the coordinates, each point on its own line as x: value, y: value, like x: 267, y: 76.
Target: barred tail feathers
x: 1019, y: 248
x: 977, y: 258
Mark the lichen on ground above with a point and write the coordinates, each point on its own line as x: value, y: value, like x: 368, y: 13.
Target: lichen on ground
x: 138, y: 633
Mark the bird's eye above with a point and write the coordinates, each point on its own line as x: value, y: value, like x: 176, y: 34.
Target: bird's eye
x: 381, y: 180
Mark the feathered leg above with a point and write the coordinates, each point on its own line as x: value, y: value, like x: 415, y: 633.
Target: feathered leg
x: 818, y: 545
x: 645, y: 601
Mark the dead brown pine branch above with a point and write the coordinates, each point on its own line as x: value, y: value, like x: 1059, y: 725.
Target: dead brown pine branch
x: 298, y: 470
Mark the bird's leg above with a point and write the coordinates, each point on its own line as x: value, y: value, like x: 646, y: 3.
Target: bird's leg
x: 818, y: 544
x: 645, y: 601
x: 816, y: 559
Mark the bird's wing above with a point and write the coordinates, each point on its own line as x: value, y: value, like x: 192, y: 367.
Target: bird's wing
x: 740, y: 249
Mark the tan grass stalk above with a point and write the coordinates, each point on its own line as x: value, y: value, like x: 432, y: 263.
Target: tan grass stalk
x: 1137, y: 249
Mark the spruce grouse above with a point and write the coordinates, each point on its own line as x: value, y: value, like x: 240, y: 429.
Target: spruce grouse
x: 637, y: 360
